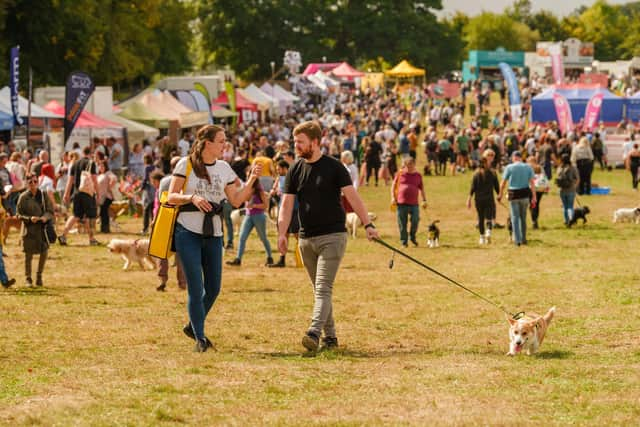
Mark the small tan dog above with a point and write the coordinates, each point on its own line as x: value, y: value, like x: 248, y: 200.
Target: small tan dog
x: 353, y: 222
x: 132, y: 251
x: 9, y: 223
x: 528, y: 332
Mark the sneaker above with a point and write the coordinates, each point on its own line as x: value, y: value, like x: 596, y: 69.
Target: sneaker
x: 482, y: 241
x: 487, y: 236
x: 329, y: 343
x: 229, y: 246
x: 62, y: 240
x: 236, y: 261
x: 201, y: 346
x: 310, y: 341
x: 8, y: 283
x: 39, y: 281
x: 269, y: 262
x: 535, y: 225
x: 29, y: 282
x: 94, y: 242
x: 496, y: 225
x: 279, y: 264
x: 162, y: 287
x: 415, y: 242
x: 188, y: 331
x: 405, y: 245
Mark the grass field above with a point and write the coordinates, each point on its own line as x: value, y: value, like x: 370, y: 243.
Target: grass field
x: 99, y: 346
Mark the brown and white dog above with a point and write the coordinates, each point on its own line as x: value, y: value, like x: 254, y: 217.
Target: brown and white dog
x: 353, y: 222
x: 528, y: 332
x: 9, y: 223
x: 132, y: 251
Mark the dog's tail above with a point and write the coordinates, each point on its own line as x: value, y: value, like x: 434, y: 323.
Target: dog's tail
x: 435, y: 222
x: 547, y: 317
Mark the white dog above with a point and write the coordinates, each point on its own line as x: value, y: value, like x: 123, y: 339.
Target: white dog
x: 237, y: 215
x: 353, y: 222
x: 627, y: 214
x: 132, y: 251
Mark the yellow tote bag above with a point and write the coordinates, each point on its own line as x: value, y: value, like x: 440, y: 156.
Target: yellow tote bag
x: 161, y: 238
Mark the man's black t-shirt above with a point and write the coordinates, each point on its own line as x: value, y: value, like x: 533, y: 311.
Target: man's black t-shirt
x: 80, y: 166
x: 317, y: 186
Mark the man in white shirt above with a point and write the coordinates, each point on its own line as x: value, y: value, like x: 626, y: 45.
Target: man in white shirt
x: 184, y: 145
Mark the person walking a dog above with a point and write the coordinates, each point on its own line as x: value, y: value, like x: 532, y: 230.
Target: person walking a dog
x: 198, y: 229
x: 519, y: 178
x: 406, y: 187
x: 567, y: 179
x: 483, y: 184
x: 317, y: 181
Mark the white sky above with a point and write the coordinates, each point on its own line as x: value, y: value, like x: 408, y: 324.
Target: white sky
x: 474, y: 7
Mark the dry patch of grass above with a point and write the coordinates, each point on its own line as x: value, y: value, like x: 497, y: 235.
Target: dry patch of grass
x: 98, y: 346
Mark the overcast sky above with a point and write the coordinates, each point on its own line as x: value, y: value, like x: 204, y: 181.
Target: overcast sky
x: 559, y: 7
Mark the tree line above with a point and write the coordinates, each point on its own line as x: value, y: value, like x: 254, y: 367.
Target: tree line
x: 122, y: 42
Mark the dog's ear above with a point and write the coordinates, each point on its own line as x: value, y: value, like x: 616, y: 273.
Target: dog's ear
x: 511, y: 321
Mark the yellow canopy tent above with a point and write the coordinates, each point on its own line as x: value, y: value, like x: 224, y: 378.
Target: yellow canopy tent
x: 405, y: 70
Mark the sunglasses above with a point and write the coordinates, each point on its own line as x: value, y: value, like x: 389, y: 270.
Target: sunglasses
x: 31, y: 180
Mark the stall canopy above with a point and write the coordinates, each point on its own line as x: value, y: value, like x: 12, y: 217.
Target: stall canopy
x: 156, y: 108
x: 255, y: 93
x: 192, y: 99
x: 543, y: 109
x: 284, y: 97
x: 326, y: 79
x: 345, y: 71
x: 6, y: 121
x: 23, y: 103
x: 246, y: 109
x: 138, y: 112
x: 136, y: 132
x: 322, y: 66
x: 405, y: 69
x: 86, y: 119
x: 219, y: 112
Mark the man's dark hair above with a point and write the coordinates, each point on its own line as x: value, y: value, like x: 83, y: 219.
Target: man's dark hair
x: 283, y: 164
x: 86, y: 150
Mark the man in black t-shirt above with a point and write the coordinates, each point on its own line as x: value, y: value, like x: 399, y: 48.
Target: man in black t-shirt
x: 85, y: 193
x: 318, y: 181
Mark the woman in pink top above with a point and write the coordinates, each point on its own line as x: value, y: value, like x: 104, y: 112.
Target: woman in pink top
x: 406, y: 188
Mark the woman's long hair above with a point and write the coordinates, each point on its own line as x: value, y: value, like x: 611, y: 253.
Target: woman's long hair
x: 205, y: 133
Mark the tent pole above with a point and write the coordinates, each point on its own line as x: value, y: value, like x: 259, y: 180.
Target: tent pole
x: 29, y: 108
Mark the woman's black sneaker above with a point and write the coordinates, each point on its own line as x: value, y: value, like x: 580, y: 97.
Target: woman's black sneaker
x: 329, y: 343
x: 201, y: 346
x: 188, y: 331
x: 236, y: 261
x: 8, y: 283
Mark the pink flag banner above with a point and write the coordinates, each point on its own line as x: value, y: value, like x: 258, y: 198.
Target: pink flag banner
x: 557, y: 67
x: 592, y: 111
x: 563, y: 111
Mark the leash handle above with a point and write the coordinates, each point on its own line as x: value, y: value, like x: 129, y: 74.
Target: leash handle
x: 434, y: 271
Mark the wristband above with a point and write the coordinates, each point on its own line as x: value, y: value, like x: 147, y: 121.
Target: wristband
x: 370, y: 225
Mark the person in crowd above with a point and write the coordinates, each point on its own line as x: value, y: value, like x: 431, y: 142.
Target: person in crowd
x: 268, y: 169
x: 444, y: 153
x: 483, y: 184
x: 17, y: 174
x: 372, y: 159
x: 83, y: 184
x: 148, y: 194
x: 34, y: 210
x: 36, y: 166
x: 278, y: 192
x: 62, y: 172
x: 632, y: 164
x: 406, y: 188
x: 4, y: 278
x: 582, y: 157
x: 317, y: 181
x: 567, y: 179
x: 107, y: 186
x: 46, y: 182
x: 198, y: 229
x: 136, y: 161
x: 116, y: 156
x: 347, y: 160
x: 597, y: 147
x: 254, y: 217
x: 163, y: 264
x: 541, y: 184
x: 518, y: 177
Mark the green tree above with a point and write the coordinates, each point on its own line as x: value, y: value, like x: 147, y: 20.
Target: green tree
x: 606, y: 27
x: 489, y: 31
x: 548, y: 26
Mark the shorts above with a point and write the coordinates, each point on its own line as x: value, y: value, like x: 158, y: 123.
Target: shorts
x: 84, y: 206
x: 463, y: 153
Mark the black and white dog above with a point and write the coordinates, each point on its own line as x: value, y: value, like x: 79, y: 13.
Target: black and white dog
x: 433, y: 235
x: 579, y: 213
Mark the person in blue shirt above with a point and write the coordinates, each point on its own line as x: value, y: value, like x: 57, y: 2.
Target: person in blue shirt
x: 519, y: 177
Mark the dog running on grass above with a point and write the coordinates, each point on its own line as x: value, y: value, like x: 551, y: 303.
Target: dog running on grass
x: 528, y: 332
x: 433, y: 235
x: 132, y: 251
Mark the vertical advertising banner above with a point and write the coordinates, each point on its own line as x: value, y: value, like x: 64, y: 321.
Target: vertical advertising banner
x: 512, y: 83
x: 14, y: 76
x: 231, y: 97
x: 557, y: 67
x: 563, y: 111
x: 592, y: 111
x: 79, y: 88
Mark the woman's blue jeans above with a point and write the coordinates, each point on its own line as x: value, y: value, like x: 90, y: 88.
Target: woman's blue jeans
x: 567, y: 205
x: 201, y: 260
x: 403, y: 213
x: 3, y: 273
x: 259, y: 221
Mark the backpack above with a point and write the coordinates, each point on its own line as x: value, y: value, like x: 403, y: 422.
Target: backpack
x: 563, y: 180
x: 86, y: 183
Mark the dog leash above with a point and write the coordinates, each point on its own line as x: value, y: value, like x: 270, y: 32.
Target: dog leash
x: 395, y: 250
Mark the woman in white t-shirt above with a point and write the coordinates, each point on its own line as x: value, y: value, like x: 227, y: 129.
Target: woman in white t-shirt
x: 198, y: 230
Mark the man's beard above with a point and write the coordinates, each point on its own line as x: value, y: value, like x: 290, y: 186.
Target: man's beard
x: 306, y: 154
